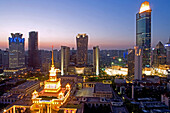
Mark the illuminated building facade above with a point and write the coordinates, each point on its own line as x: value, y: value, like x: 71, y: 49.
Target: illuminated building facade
x: 82, y: 48
x: 138, y: 63
x: 143, y: 32
x: 96, y: 60
x: 65, y: 59
x: 167, y: 45
x: 52, y: 96
x: 159, y: 55
x: 33, y: 58
x: 16, y: 51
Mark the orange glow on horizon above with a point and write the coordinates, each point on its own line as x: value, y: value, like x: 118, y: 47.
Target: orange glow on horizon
x: 145, y: 7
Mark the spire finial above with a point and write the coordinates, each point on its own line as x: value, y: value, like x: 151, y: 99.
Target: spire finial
x: 52, y: 57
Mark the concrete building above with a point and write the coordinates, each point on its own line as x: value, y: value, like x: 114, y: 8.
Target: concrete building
x: 19, y: 92
x: 96, y: 60
x: 102, y: 90
x: 65, y: 59
x: 82, y: 48
x: 16, y: 51
x: 143, y: 32
x: 33, y: 56
x: 138, y: 63
x: 26, y: 88
x: 167, y: 45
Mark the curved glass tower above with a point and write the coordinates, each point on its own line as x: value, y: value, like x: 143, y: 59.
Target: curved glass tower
x: 143, y: 32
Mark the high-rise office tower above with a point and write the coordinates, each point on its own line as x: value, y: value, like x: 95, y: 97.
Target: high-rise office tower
x: 159, y: 55
x: 45, y: 59
x: 73, y: 56
x: 65, y: 59
x: 90, y: 57
x: 33, y: 56
x: 82, y: 48
x: 143, y: 32
x: 167, y: 45
x: 4, y: 59
x: 96, y: 54
x: 138, y: 63
x: 16, y: 51
x: 56, y: 59
x: 131, y: 62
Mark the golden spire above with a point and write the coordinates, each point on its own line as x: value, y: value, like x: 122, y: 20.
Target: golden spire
x: 145, y: 7
x: 52, y: 58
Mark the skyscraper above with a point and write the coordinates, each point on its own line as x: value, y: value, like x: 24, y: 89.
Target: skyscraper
x: 16, y: 51
x: 4, y: 59
x: 56, y: 58
x: 33, y: 56
x: 138, y: 63
x: 167, y: 45
x: 82, y: 48
x: 159, y: 55
x: 65, y: 59
x: 131, y: 62
x: 90, y: 57
x: 143, y: 32
x: 96, y: 60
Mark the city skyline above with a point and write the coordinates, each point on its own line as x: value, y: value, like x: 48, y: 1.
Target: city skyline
x: 61, y: 22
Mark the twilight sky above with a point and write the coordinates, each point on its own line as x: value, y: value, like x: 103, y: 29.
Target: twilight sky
x: 111, y: 24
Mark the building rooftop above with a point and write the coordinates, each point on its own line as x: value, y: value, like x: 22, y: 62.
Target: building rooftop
x: 25, y: 85
x: 145, y: 7
x: 160, y: 45
x: 102, y: 88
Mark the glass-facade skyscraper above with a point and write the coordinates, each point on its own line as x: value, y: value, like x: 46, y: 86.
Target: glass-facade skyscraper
x: 33, y: 56
x: 16, y: 51
x: 143, y: 32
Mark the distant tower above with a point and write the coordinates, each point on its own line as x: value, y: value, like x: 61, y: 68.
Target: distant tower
x: 33, y: 56
x: 82, y: 48
x: 167, y: 45
x: 90, y: 57
x: 96, y: 59
x: 65, y: 59
x: 56, y: 57
x: 138, y: 63
x: 16, y: 51
x: 159, y: 55
x: 143, y: 32
x: 131, y: 62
